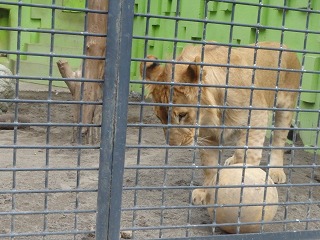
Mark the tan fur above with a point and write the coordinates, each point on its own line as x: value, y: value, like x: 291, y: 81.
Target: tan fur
x: 193, y: 73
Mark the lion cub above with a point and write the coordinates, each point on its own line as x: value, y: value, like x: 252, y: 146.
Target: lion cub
x: 230, y: 97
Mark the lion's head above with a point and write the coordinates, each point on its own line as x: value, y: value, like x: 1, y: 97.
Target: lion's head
x: 162, y: 91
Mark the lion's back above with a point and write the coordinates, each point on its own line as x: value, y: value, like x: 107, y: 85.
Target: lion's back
x: 269, y: 67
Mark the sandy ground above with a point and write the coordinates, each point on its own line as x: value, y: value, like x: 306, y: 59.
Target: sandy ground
x: 153, y: 207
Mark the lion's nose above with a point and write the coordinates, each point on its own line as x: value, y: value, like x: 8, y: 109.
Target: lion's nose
x: 175, y: 140
x: 174, y: 143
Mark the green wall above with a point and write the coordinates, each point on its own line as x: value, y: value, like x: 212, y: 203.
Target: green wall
x: 217, y: 29
x: 35, y: 42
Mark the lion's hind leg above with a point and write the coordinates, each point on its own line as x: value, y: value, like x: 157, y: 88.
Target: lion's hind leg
x: 282, y: 120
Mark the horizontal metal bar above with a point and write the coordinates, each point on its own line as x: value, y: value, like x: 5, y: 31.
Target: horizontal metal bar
x: 143, y: 188
x: 249, y: 127
x: 59, y: 147
x: 49, y: 78
x: 190, y: 206
x: 313, y: 148
x: 206, y: 42
x: 147, y: 125
x: 251, y: 108
x: 263, y: 5
x: 143, y: 125
x: 191, y: 147
x: 230, y: 23
x: 193, y: 166
x: 45, y: 233
x: 19, y: 213
x: 287, y: 235
x: 52, y: 54
x: 51, y: 101
x: 225, y: 86
x: 15, y: 191
x: 18, y: 124
x: 227, y: 65
x: 45, y: 169
x: 217, y: 225
x: 221, y: 44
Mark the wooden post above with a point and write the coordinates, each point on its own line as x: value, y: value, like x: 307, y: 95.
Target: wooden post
x: 94, y: 69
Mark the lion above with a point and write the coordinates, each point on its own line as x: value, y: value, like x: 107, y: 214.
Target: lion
x: 223, y: 94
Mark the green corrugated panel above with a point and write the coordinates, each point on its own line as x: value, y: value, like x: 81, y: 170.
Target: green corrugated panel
x: 4, y: 36
x: 74, y: 4
x: 310, y: 101
x: 40, y: 18
x: 310, y: 80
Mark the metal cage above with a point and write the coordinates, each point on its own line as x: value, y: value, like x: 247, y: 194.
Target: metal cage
x: 140, y: 181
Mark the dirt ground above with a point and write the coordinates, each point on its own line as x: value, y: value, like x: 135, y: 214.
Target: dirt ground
x: 154, y: 207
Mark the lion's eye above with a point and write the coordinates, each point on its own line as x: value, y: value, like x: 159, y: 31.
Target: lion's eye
x: 182, y: 115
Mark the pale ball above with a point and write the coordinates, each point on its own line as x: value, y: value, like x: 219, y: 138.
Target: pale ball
x: 250, y: 195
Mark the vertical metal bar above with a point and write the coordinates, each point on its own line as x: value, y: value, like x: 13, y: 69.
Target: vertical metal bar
x: 196, y: 135
x: 114, y: 118
x: 255, y: 51
x: 223, y: 110
x: 197, y: 139
x: 310, y: 193
x: 15, y: 133
x: 256, y: 42
x: 47, y: 151
x: 288, y: 189
x: 78, y: 139
x: 135, y: 198
x: 165, y: 172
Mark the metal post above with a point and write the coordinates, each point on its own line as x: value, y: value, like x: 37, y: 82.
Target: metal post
x: 114, y: 118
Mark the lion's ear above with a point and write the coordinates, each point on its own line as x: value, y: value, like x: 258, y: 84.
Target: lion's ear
x: 193, y: 70
x: 152, y: 69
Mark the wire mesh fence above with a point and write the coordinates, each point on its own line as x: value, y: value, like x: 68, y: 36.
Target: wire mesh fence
x: 211, y: 84
x: 42, y: 188
x: 206, y: 105
x: 48, y: 183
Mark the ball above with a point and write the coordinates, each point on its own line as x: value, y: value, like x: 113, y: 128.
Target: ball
x: 254, y: 196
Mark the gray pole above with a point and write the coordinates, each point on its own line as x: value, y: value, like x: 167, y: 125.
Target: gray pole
x: 114, y: 118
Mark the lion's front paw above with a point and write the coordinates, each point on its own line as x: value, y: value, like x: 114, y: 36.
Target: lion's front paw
x: 277, y: 175
x: 199, y: 196
x: 230, y: 161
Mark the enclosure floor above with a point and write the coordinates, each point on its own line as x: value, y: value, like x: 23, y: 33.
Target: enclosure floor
x: 66, y: 180
x: 25, y: 86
